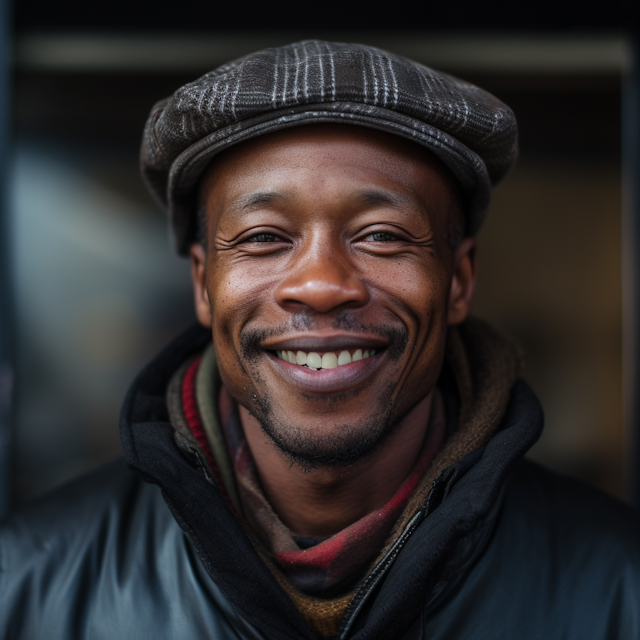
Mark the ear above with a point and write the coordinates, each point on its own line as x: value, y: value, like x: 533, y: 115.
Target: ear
x: 199, y: 279
x: 463, y: 282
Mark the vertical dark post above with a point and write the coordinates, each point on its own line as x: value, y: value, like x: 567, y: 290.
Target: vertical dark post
x: 631, y: 257
x: 6, y: 299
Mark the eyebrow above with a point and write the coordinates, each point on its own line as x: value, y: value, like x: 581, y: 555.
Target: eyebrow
x: 260, y: 198
x: 378, y: 197
x: 370, y: 197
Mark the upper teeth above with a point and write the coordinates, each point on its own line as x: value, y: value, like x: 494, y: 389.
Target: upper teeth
x: 329, y: 360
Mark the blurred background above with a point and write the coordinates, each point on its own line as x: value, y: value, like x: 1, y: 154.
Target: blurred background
x: 94, y: 289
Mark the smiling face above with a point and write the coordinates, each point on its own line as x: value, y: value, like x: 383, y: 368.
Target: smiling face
x: 329, y: 282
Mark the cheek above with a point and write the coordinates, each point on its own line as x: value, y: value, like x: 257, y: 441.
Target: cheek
x: 228, y: 295
x: 238, y: 292
x: 419, y: 286
x: 418, y: 290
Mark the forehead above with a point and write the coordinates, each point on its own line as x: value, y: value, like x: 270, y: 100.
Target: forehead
x: 327, y: 157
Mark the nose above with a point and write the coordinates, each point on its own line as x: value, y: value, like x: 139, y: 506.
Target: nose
x: 322, y: 279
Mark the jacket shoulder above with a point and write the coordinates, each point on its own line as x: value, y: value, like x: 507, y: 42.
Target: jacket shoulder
x: 580, y: 515
x: 572, y: 552
x: 62, y: 556
x: 563, y: 561
x: 103, y: 557
x: 70, y: 513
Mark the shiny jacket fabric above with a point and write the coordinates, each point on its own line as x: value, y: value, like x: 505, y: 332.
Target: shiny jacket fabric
x: 149, y: 549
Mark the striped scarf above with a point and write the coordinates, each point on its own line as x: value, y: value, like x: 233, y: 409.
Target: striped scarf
x: 316, y: 566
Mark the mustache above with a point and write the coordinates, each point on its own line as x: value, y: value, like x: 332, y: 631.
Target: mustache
x: 396, y: 336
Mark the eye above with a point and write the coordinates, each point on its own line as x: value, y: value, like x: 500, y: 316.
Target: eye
x: 381, y: 236
x: 263, y: 237
x: 263, y: 242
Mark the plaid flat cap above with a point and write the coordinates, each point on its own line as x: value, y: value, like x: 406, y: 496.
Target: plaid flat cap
x: 468, y: 129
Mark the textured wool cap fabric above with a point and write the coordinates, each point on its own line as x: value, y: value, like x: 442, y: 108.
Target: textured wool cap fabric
x: 468, y: 129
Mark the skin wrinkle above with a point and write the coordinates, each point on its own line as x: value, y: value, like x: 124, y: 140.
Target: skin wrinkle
x: 327, y: 452
x: 455, y: 226
x: 334, y: 255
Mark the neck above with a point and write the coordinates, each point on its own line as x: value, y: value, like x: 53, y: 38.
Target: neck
x: 327, y: 500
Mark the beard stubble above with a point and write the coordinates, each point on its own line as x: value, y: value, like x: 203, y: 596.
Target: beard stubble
x: 339, y: 444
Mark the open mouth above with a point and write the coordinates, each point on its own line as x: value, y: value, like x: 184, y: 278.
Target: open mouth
x: 325, y: 360
x: 326, y: 364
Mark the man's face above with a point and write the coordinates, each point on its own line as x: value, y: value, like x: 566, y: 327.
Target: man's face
x: 327, y: 245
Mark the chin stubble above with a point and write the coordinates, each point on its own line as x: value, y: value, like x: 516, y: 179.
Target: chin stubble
x: 343, y: 447
x: 346, y: 443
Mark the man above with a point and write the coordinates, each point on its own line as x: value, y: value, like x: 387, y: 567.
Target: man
x: 336, y: 451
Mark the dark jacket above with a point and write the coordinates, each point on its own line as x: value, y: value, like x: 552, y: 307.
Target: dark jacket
x: 503, y: 549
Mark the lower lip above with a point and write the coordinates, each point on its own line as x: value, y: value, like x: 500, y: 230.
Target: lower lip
x: 333, y: 380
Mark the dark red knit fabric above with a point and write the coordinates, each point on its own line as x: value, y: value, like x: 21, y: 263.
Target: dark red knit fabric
x: 190, y: 409
x: 194, y: 422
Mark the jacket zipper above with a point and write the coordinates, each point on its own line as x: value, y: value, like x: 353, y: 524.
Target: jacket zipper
x: 355, y: 606
x: 376, y: 575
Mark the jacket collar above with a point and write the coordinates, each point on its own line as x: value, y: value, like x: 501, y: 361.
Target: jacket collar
x: 462, y: 496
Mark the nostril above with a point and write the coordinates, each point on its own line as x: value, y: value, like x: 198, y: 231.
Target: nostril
x: 323, y: 294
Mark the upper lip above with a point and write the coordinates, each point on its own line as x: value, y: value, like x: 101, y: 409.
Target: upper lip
x: 334, y: 342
